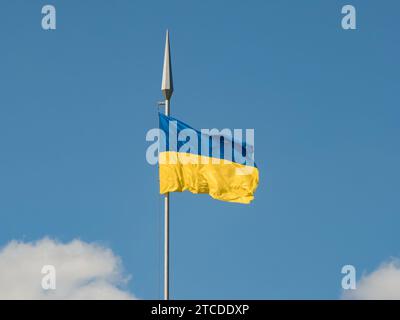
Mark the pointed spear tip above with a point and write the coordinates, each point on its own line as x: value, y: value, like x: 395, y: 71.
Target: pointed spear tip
x: 167, y: 86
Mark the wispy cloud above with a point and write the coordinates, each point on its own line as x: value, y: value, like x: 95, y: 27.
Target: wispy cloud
x: 83, y: 271
x: 383, y: 283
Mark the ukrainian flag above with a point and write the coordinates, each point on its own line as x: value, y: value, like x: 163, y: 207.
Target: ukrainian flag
x: 191, y: 160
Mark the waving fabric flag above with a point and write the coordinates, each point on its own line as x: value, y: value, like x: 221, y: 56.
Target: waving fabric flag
x: 205, y: 163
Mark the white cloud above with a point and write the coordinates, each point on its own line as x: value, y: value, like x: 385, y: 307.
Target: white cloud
x: 83, y: 271
x: 383, y: 283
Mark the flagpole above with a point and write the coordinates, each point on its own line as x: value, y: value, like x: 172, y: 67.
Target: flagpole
x: 167, y: 89
x: 166, y: 231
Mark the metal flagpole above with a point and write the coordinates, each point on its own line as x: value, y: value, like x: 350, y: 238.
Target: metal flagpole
x: 167, y: 89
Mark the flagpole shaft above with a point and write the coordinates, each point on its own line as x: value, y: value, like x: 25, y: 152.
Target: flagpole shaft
x: 166, y: 231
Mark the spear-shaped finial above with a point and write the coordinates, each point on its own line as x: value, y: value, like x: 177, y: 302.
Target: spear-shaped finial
x: 167, y: 86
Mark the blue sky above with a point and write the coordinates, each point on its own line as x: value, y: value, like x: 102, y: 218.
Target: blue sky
x: 76, y: 103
